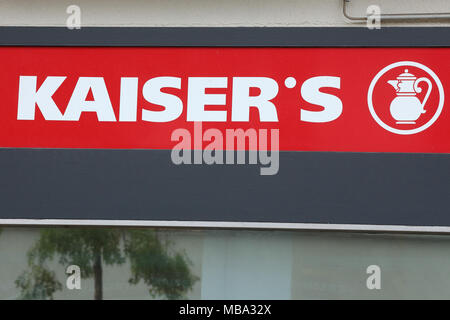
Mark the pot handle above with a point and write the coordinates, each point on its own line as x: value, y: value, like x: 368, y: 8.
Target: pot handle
x: 419, y: 90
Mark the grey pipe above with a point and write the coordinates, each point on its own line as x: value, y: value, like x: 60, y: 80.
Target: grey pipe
x: 399, y: 16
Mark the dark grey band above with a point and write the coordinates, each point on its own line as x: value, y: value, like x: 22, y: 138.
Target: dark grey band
x: 311, y: 187
x: 234, y: 37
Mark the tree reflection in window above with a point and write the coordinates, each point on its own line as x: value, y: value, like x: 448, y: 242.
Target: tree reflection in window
x: 152, y: 260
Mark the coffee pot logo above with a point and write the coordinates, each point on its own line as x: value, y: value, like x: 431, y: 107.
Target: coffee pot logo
x: 415, y: 103
x: 406, y: 108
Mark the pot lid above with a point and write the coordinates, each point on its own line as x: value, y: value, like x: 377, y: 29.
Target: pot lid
x: 406, y: 76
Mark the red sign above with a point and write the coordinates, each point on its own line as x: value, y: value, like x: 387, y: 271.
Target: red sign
x: 327, y: 99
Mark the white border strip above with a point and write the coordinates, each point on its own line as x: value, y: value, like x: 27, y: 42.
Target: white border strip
x: 228, y: 225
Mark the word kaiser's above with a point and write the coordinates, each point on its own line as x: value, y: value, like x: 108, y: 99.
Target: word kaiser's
x: 154, y: 89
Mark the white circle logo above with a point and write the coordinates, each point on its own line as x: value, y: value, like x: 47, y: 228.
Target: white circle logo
x: 399, y: 104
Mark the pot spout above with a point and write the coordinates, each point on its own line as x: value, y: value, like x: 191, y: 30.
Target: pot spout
x: 394, y: 83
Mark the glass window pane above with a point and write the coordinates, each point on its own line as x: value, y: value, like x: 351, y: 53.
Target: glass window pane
x: 147, y: 263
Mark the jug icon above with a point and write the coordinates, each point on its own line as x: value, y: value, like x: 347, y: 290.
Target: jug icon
x: 406, y: 107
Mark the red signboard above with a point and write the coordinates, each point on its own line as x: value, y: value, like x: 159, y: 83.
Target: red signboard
x: 320, y: 99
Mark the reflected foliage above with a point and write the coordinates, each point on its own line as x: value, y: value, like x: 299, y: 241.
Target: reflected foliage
x: 38, y: 283
x: 165, y: 274
x: 152, y: 260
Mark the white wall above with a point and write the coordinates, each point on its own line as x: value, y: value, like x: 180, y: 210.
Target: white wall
x: 204, y: 12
